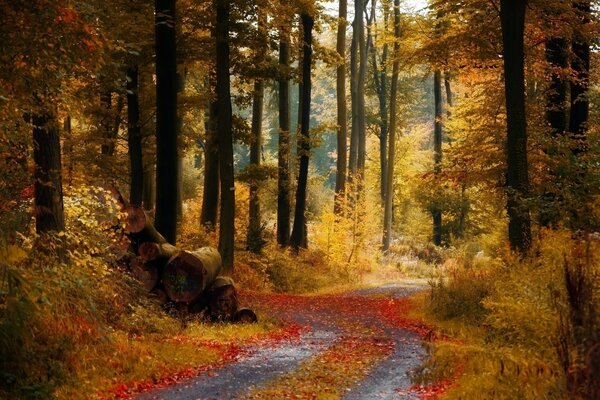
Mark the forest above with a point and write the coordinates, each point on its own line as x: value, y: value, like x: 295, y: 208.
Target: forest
x: 308, y: 199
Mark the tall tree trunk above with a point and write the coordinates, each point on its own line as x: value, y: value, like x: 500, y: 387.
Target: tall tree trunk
x: 134, y: 139
x: 149, y: 180
x: 437, y: 151
x: 299, y: 234
x: 353, y: 154
x: 48, y: 194
x: 557, y: 56
x: 580, y: 65
x: 381, y: 89
x: 389, y: 195
x: 210, y: 195
x: 254, y: 240
x: 284, y: 150
x: 449, y: 94
x: 342, y: 117
x: 227, y: 211
x: 166, y: 120
x: 68, y: 134
x: 512, y: 18
x: 254, y: 236
x: 360, y: 93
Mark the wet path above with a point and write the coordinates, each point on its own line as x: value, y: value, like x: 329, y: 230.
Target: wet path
x: 329, y: 318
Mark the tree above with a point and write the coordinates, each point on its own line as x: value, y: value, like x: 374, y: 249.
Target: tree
x: 166, y: 120
x: 225, y: 129
x: 48, y: 194
x: 298, y: 237
x: 512, y: 19
x: 254, y: 240
x: 380, y: 84
x: 342, y: 117
x: 437, y: 150
x: 580, y: 64
x: 134, y: 139
x: 361, y: 132
x: 210, y: 196
x: 284, y: 151
x: 389, y: 195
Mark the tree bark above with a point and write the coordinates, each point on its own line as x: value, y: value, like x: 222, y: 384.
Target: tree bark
x: 360, y: 93
x: 189, y: 273
x: 299, y: 234
x: 437, y: 149
x: 580, y: 64
x: 512, y: 18
x: 149, y: 194
x: 210, y: 196
x: 166, y: 120
x: 342, y: 117
x: 134, y: 139
x: 255, y: 241
x: 353, y: 153
x: 284, y: 150
x: 389, y: 195
x: 48, y: 193
x: 380, y: 80
x: 227, y: 211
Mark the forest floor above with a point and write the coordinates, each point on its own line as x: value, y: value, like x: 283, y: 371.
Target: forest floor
x: 352, y: 345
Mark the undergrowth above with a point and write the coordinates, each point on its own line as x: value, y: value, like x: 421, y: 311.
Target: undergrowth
x: 510, y: 325
x: 73, y: 322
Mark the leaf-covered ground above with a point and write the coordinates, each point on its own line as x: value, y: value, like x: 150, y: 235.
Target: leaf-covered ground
x: 358, y: 345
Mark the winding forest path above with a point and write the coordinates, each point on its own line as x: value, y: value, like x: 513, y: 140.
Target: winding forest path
x: 356, y: 345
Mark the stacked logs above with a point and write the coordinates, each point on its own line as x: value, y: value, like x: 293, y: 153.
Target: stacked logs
x: 188, y: 280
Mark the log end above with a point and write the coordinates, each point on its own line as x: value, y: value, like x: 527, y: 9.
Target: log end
x: 135, y: 220
x: 149, y: 251
x: 184, y: 277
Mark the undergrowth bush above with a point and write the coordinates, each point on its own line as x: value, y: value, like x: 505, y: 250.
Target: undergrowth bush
x: 517, y: 338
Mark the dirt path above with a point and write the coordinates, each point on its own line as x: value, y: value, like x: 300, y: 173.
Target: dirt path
x: 332, y: 325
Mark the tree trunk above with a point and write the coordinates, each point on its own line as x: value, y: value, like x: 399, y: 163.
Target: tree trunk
x: 68, y: 135
x: 227, y: 212
x: 210, y: 196
x: 134, y: 139
x: 449, y: 95
x: 342, y: 117
x: 512, y: 18
x: 149, y: 194
x: 48, y: 194
x: 360, y: 94
x: 389, y: 196
x: 284, y: 150
x: 299, y: 234
x: 166, y: 120
x: 255, y: 241
x: 353, y: 154
x: 580, y: 64
x: 437, y: 148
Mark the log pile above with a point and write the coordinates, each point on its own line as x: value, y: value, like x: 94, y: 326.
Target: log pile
x: 189, y: 281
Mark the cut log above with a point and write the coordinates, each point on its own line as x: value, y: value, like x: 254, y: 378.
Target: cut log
x: 160, y: 254
x: 135, y: 219
x: 222, y: 299
x: 245, y: 316
x: 145, y: 273
x: 188, y: 274
x: 139, y: 228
